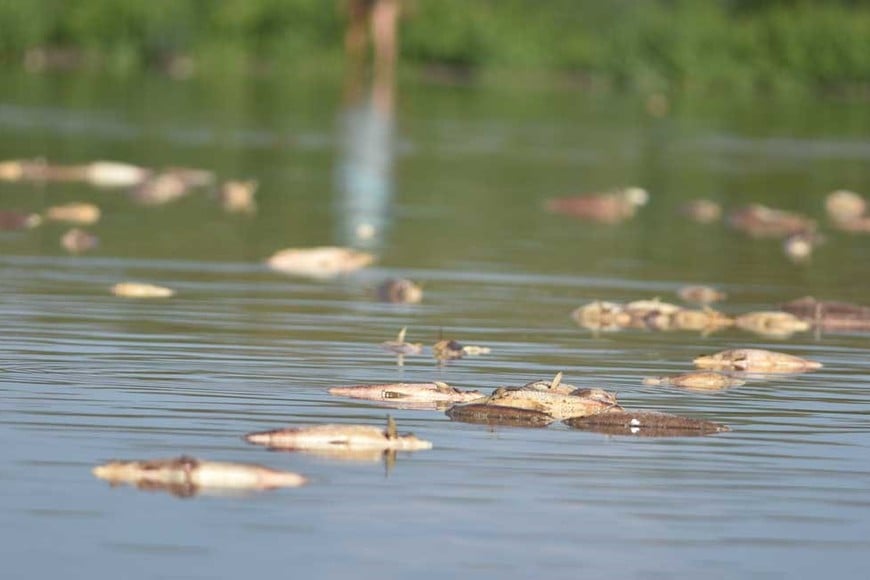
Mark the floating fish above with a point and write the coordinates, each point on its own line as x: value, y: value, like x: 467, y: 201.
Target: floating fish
x: 702, y: 211
x: 404, y: 393
x: 339, y: 436
x: 400, y: 291
x: 138, y: 290
x: 99, y: 173
x: 445, y: 350
x: 238, y: 196
x: 696, y: 381
x: 16, y: 220
x: 756, y: 360
x: 830, y: 315
x: 701, y: 294
x: 844, y: 206
x: 320, y: 262
x: 111, y: 174
x: 705, y: 320
x: 645, y: 424
x: 761, y: 221
x: 185, y: 476
x: 402, y: 348
x: 773, y: 323
x: 77, y: 213
x: 161, y: 189
x: 601, y: 315
x: 609, y: 208
x: 77, y: 241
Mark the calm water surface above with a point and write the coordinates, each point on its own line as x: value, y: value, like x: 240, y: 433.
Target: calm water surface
x: 455, y: 183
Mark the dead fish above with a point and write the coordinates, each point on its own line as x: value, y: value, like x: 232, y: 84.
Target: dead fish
x: 77, y: 241
x: 445, y: 350
x: 773, y: 323
x: 601, y: 315
x: 99, y: 173
x: 844, y: 206
x: 645, y: 424
x: 486, y: 414
x: 238, y: 196
x: 160, y: 189
x: 799, y: 247
x: 557, y: 405
x: 402, y: 348
x: 185, y: 476
x: 16, y: 220
x: 609, y: 208
x: 554, y: 385
x: 192, y: 176
x: 436, y: 392
x: 756, y: 360
x: 111, y: 174
x: 705, y: 320
x: 761, y: 221
x: 697, y: 381
x: 653, y: 314
x: 702, y: 211
x: 77, y: 213
x: 701, y: 294
x: 139, y: 290
x: 399, y: 290
x: 320, y: 262
x: 830, y: 315
x: 859, y: 225
x: 339, y: 436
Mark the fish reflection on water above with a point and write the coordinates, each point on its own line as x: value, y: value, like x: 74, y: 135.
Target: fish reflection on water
x: 645, y: 424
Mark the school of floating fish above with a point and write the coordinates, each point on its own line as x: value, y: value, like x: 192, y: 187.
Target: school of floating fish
x: 535, y: 404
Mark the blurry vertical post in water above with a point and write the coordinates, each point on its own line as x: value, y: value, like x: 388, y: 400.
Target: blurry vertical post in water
x: 365, y: 165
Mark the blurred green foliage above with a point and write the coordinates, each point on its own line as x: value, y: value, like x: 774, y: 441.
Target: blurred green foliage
x: 640, y: 44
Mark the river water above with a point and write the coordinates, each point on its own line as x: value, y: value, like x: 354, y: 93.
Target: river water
x: 454, y: 181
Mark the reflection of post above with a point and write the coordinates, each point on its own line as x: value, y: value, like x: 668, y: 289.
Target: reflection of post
x: 365, y: 166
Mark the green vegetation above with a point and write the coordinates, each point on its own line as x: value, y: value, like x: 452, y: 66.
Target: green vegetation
x: 649, y: 45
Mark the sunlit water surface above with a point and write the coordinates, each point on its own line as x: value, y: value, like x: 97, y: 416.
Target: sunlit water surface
x: 458, y: 200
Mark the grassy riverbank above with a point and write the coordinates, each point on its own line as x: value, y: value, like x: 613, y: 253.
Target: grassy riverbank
x: 647, y: 45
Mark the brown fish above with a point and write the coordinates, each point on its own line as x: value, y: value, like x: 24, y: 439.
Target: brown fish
x: 16, y: 220
x: 761, y: 221
x: 185, y: 476
x: 696, y: 381
x: 830, y: 315
x: 339, y: 436
x: 557, y: 405
x: 486, y: 414
x: 645, y: 424
x: 608, y: 208
x: 399, y: 290
x: 756, y: 360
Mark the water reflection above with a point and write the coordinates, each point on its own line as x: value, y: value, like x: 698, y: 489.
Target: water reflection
x: 364, y: 172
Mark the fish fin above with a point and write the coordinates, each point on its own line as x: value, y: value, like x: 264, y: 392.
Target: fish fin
x: 556, y: 380
x: 401, y: 336
x: 392, y: 430
x: 443, y: 387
